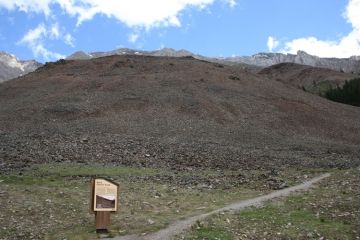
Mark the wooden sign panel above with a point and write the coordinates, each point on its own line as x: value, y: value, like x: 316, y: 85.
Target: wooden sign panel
x: 105, y: 195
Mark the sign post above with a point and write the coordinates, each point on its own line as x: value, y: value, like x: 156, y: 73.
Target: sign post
x: 104, y: 200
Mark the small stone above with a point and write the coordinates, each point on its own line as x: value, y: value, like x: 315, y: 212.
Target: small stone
x: 283, y: 185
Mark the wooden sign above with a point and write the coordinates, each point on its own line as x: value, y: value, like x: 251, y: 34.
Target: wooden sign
x: 104, y: 199
x: 105, y: 196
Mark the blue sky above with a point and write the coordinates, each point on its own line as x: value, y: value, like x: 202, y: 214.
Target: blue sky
x: 47, y: 30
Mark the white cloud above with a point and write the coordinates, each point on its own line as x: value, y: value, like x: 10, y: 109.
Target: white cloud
x: 39, y: 50
x: 272, y: 43
x: 69, y: 40
x: 352, y: 14
x: 162, y: 46
x: 232, y: 3
x: 345, y: 47
x: 134, y: 13
x: 37, y: 6
x: 34, y: 35
x: 35, y: 38
x: 54, y: 31
x: 133, y: 37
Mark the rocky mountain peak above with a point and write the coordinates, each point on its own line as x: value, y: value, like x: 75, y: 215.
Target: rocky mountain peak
x: 12, y: 67
x: 170, y: 52
x: 79, y: 55
x: 10, y: 61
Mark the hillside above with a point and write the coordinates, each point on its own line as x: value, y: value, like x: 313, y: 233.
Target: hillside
x: 169, y: 112
x: 311, y: 79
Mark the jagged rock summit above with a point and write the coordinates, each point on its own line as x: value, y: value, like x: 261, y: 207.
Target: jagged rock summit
x: 165, y: 52
x: 348, y: 65
x: 12, y: 67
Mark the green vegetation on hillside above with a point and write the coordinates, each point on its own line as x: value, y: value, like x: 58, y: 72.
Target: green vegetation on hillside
x: 318, y: 88
x: 348, y: 94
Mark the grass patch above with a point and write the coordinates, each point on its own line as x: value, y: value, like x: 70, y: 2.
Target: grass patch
x: 76, y: 233
x: 55, y: 174
x: 319, y: 88
x: 55, y: 198
x: 81, y: 170
x: 330, y: 211
x: 294, y: 222
x: 209, y: 233
x: 29, y: 180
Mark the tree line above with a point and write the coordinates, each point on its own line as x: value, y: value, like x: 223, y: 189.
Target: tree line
x: 349, y: 93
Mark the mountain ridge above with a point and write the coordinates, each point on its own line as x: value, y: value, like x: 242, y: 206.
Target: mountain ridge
x: 348, y: 65
x: 261, y: 60
x: 12, y: 67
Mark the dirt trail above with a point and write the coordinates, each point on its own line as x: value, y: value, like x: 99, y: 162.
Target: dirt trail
x: 180, y: 226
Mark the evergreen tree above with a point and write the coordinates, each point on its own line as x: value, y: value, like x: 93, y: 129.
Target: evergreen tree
x: 348, y: 94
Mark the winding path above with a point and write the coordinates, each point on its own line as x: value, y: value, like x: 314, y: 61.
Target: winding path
x: 180, y: 226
